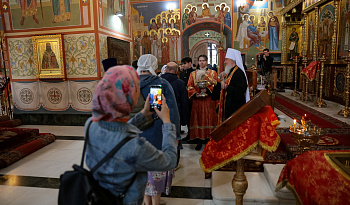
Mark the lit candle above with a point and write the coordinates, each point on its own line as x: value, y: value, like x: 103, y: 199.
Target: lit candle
x: 295, y: 121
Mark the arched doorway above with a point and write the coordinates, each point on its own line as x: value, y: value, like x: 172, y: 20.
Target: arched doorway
x: 202, y: 47
x: 194, y: 28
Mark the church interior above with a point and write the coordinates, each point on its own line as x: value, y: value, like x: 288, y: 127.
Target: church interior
x: 51, y: 62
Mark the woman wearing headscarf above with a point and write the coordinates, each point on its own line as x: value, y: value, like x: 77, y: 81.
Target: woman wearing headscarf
x: 158, y: 181
x: 114, y: 98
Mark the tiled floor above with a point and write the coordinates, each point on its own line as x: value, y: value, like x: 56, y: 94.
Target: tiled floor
x: 34, y: 179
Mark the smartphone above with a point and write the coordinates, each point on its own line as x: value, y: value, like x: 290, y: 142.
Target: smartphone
x: 156, y: 97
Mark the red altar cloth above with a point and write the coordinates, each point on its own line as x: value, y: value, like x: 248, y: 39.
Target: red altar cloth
x: 314, y: 179
x: 258, y: 129
x: 311, y: 70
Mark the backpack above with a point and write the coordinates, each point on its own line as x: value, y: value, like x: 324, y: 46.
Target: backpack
x: 79, y: 187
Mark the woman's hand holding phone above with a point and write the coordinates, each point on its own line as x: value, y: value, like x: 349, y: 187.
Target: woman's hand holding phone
x: 163, y: 114
x: 146, y: 109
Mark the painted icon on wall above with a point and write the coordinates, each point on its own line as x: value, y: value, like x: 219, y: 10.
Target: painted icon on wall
x: 48, y: 54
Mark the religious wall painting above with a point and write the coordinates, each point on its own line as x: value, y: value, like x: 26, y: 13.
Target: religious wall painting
x: 344, y: 29
x: 309, y: 3
x: 49, y: 56
x: 216, y: 11
x: 274, y: 31
x: 28, y: 14
x: 294, y: 39
x: 111, y: 20
x: 156, y: 30
x: 257, y: 8
x: 261, y: 21
x: 80, y: 55
x: 21, y: 58
x: 311, y: 31
x: 325, y: 30
x: 249, y: 34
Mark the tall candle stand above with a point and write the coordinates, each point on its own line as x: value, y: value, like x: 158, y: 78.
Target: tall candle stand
x: 345, y: 112
x: 303, y: 96
x: 295, y: 92
x: 319, y: 101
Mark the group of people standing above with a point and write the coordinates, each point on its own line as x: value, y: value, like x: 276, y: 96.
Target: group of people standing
x: 144, y: 167
x: 224, y: 94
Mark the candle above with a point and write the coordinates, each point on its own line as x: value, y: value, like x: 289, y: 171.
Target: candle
x: 295, y: 121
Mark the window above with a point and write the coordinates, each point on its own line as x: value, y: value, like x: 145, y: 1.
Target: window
x: 212, y: 54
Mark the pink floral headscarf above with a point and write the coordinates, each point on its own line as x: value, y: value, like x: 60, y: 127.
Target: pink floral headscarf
x: 116, y: 94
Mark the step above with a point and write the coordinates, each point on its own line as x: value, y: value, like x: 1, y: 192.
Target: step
x: 272, y: 173
x: 258, y: 192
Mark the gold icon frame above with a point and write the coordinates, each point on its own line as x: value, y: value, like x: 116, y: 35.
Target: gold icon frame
x: 40, y: 45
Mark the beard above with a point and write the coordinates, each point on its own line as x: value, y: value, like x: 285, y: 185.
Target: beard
x: 228, y: 68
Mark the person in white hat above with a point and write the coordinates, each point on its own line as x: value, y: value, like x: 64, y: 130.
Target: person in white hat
x: 233, y: 90
x: 158, y: 181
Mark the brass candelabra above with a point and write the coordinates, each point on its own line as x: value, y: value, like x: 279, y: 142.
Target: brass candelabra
x: 306, y: 135
x: 295, y: 92
x: 345, y: 111
x: 319, y: 101
x: 303, y: 96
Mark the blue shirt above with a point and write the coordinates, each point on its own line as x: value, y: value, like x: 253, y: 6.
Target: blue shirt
x: 137, y: 156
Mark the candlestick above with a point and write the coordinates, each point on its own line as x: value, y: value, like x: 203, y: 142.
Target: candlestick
x: 295, y: 92
x: 305, y: 135
x: 295, y: 121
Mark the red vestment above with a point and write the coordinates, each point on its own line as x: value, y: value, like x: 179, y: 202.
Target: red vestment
x: 203, y: 115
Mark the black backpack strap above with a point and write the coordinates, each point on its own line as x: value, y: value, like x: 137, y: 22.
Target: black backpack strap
x: 85, y: 143
x: 111, y: 153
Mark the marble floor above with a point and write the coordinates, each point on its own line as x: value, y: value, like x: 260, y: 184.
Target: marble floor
x: 35, y: 178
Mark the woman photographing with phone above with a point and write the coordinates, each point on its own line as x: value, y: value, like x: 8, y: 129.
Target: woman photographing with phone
x: 126, y: 172
x: 158, y: 181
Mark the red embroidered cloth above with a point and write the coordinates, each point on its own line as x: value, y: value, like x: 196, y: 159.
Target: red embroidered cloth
x: 311, y: 70
x: 314, y: 179
x: 258, y: 129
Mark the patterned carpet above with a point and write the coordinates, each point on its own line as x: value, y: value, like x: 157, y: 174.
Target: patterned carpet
x: 16, y: 143
x: 296, y: 110
x: 333, y: 130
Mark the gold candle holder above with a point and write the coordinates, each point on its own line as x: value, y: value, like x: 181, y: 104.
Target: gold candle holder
x: 295, y: 92
x: 305, y: 136
x: 319, y: 101
x: 345, y: 112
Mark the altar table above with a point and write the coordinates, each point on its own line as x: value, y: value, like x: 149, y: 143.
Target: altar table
x: 315, y: 179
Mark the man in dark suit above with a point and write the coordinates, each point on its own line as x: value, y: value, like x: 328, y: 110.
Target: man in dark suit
x: 265, y: 61
x: 186, y: 64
